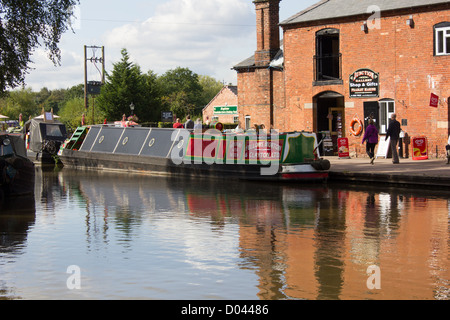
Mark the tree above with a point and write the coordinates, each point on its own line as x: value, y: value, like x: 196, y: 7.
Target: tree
x: 21, y: 102
x: 210, y: 87
x: 72, y: 112
x: 181, y: 91
x: 126, y: 85
x: 23, y: 24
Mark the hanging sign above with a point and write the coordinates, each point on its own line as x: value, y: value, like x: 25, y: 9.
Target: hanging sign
x: 434, y: 100
x: 420, y: 148
x: 364, y: 83
x: 343, y: 148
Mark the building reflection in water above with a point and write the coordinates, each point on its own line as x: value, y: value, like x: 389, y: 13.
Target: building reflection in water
x: 301, y: 242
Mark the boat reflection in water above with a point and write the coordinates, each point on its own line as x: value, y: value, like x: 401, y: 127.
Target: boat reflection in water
x: 168, y: 238
x: 17, y: 218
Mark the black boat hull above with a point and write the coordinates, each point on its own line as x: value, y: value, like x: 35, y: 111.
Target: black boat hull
x: 165, y: 166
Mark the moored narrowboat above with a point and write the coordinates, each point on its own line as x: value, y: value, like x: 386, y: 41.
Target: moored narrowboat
x: 17, y: 172
x: 44, y: 137
x: 210, y: 153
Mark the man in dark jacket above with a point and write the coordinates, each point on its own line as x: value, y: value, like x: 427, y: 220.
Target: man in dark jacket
x: 393, y: 132
x: 189, y: 124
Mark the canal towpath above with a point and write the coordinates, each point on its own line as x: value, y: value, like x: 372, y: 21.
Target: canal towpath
x: 409, y: 172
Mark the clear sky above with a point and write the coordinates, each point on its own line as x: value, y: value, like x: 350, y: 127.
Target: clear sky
x: 207, y: 36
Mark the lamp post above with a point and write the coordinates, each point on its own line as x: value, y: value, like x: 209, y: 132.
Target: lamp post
x: 132, y: 108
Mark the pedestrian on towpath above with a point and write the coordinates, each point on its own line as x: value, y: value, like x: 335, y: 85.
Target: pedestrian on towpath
x: 371, y: 139
x: 178, y: 124
x: 189, y: 124
x: 393, y: 132
x: 447, y: 148
x: 198, y: 125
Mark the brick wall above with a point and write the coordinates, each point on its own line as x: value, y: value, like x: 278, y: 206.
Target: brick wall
x: 259, y: 88
x: 404, y: 58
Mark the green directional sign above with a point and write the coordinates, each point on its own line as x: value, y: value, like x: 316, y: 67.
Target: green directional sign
x: 225, y: 110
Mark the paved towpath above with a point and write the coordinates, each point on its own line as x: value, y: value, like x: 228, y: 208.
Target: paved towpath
x: 431, y: 172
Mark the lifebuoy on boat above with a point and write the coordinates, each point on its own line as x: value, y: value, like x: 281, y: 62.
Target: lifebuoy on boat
x: 356, y: 131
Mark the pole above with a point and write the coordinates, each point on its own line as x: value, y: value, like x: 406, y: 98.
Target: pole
x: 103, y: 65
x: 85, y: 79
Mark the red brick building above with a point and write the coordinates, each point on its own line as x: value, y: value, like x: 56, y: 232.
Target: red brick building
x: 343, y: 60
x: 223, y: 107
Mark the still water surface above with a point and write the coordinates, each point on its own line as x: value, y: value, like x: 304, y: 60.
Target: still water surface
x: 142, y: 237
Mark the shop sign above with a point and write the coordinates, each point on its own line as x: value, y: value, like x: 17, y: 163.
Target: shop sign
x: 420, y: 148
x: 225, y: 110
x: 343, y: 148
x: 364, y: 83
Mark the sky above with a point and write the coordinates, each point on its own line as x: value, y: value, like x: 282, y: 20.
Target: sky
x: 207, y: 36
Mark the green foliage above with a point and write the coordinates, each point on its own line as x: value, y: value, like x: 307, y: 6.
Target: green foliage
x: 19, y: 102
x: 73, y: 110
x: 179, y: 90
x: 210, y: 88
x: 24, y: 25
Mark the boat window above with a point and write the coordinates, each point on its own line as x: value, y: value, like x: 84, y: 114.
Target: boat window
x: 6, y: 150
x: 54, y: 131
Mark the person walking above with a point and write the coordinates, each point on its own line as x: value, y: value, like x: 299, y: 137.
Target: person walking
x: 393, y: 132
x: 447, y: 148
x: 371, y: 138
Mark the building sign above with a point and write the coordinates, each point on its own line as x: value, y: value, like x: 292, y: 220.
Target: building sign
x: 225, y: 110
x: 364, y: 83
x: 434, y: 100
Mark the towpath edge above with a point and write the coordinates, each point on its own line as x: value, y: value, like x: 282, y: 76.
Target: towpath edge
x: 431, y: 172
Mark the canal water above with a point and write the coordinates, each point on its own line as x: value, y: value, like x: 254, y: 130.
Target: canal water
x: 95, y: 235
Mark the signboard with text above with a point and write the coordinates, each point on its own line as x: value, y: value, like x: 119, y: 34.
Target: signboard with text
x: 343, y: 148
x: 167, y: 116
x: 226, y: 110
x: 364, y: 83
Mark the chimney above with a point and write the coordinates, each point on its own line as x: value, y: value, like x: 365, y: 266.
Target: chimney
x: 267, y: 30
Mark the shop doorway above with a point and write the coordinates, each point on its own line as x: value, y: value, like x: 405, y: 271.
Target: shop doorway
x: 329, y: 120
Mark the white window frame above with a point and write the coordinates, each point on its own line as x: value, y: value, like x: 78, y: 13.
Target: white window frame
x: 387, y: 108
x: 236, y: 119
x: 442, y: 34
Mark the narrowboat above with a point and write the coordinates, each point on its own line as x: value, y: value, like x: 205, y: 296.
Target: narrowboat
x: 206, y: 153
x: 17, y: 172
x: 44, y: 137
